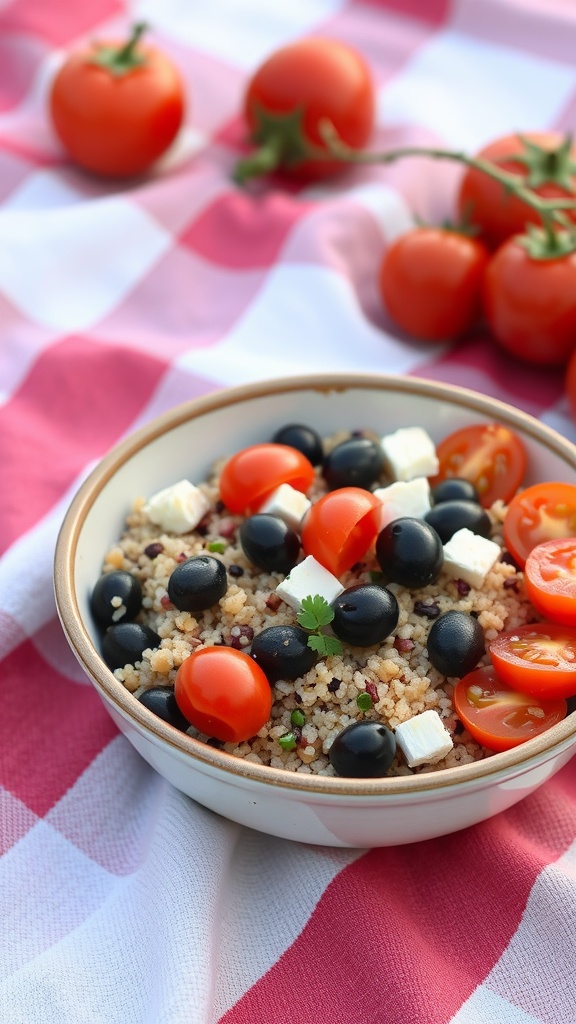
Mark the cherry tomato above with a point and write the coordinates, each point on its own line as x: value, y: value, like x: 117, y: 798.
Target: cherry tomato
x: 538, y: 513
x: 570, y: 383
x: 530, y: 304
x: 550, y: 578
x: 252, y: 474
x: 547, y: 157
x: 340, y: 527
x: 117, y: 107
x: 499, y: 717
x: 292, y: 92
x: 538, y: 659
x: 431, y: 282
x: 223, y: 693
x: 491, y: 456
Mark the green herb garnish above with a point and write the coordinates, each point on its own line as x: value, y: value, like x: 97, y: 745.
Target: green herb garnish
x: 287, y: 741
x: 297, y: 718
x: 316, y: 613
x: 217, y: 545
x: 364, y: 701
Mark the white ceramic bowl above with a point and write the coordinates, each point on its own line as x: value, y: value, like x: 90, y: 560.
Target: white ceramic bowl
x: 311, y: 809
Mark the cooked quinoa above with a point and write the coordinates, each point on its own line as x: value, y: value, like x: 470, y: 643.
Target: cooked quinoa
x: 397, y: 675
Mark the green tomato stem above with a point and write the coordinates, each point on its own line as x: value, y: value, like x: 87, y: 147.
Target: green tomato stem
x: 120, y: 61
x: 265, y: 158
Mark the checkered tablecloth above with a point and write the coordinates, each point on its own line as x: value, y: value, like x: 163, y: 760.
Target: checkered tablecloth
x: 122, y: 901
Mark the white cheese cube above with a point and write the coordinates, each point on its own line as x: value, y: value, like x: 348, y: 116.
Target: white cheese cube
x: 307, y: 579
x: 470, y: 557
x: 404, y: 498
x: 409, y: 452
x: 288, y: 504
x: 423, y: 739
x: 177, y: 509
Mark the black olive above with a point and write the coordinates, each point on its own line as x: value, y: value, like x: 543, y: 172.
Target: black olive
x: 363, y: 750
x: 282, y: 652
x: 410, y: 552
x: 124, y: 643
x: 117, y: 584
x: 304, y: 439
x: 365, y: 615
x: 197, y: 583
x: 269, y: 543
x: 450, y: 516
x: 456, y: 643
x: 356, y: 462
x: 162, y: 702
x: 454, y: 488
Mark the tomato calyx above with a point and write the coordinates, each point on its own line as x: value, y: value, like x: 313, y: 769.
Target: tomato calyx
x: 121, y: 60
x: 547, y: 242
x: 544, y: 165
x: 280, y: 141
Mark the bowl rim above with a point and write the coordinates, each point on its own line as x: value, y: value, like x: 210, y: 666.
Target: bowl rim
x: 515, y: 760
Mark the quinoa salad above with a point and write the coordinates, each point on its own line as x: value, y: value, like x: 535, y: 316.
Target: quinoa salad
x: 390, y: 681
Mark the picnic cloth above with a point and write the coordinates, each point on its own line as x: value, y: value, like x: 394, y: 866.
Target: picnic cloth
x: 123, y: 901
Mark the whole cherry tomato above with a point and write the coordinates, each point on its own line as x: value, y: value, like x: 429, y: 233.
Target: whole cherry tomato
x: 544, y: 161
x: 530, y: 303
x: 538, y: 659
x: 499, y: 717
x: 542, y: 512
x: 431, y: 282
x: 292, y: 92
x: 252, y: 474
x: 339, y: 528
x: 222, y: 692
x: 550, y: 579
x: 116, y: 107
x: 489, y: 455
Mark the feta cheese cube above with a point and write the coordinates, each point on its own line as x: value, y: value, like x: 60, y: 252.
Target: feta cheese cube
x: 288, y: 504
x: 409, y: 452
x: 404, y: 498
x: 469, y: 557
x: 177, y: 509
x: 307, y: 579
x: 423, y: 739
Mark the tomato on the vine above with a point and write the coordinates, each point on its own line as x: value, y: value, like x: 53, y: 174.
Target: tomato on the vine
x: 545, y: 511
x: 543, y: 161
x: 291, y: 93
x: 252, y: 474
x: 499, y: 717
x: 340, y: 527
x: 117, y: 107
x: 538, y: 659
x: 530, y: 303
x: 550, y: 579
x: 491, y: 456
x: 223, y: 693
x: 431, y: 282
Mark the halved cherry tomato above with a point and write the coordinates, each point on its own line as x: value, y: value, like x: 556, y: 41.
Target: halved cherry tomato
x: 539, y: 659
x: 252, y: 474
x: 538, y: 513
x: 550, y: 577
x: 490, y: 455
x: 340, y: 527
x: 223, y: 693
x: 499, y: 717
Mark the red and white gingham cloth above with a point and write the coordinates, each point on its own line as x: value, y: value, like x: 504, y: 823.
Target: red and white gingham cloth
x: 123, y: 902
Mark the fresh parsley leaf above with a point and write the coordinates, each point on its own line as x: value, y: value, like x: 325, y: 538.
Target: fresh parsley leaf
x: 217, y: 545
x: 364, y: 701
x: 325, y: 645
x: 316, y: 612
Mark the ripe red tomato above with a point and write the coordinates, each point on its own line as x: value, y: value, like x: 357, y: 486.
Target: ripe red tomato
x: 490, y: 455
x: 550, y: 578
x: 252, y: 474
x: 117, y: 107
x: 497, y: 212
x: 570, y: 383
x: 499, y: 717
x: 542, y: 512
x: 292, y: 92
x: 339, y: 528
x: 222, y: 692
x: 431, y: 282
x: 530, y: 304
x: 538, y: 659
